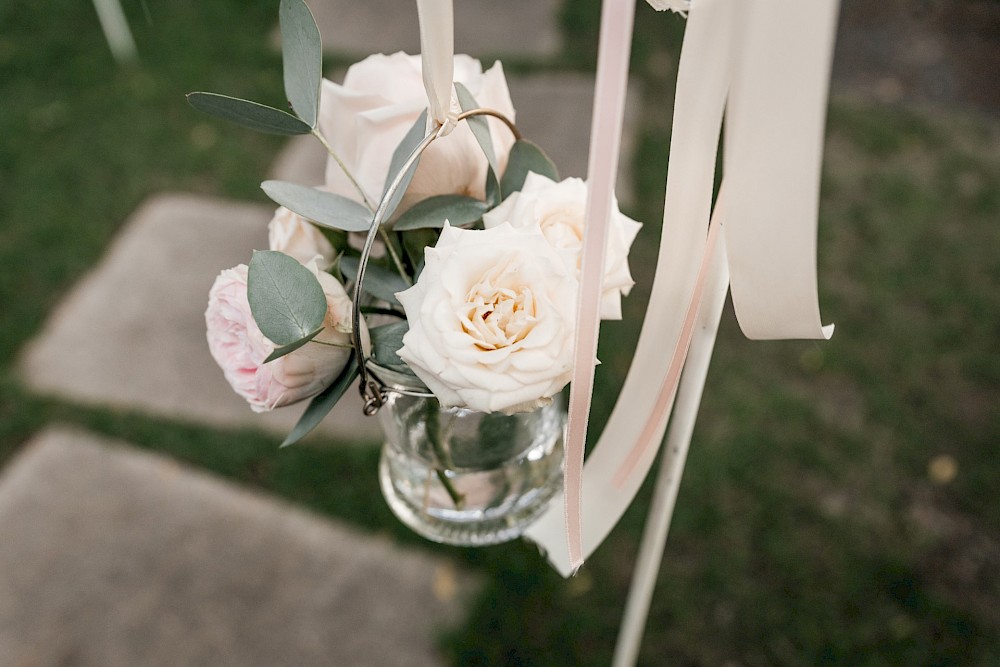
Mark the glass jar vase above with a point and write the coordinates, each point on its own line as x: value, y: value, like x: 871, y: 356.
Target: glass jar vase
x: 468, y: 478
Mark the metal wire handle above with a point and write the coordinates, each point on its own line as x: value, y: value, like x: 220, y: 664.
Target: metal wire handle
x: 372, y: 388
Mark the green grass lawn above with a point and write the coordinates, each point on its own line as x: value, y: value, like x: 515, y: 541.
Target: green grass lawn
x: 840, y: 503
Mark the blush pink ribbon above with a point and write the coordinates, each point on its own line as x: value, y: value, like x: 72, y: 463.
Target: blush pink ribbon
x: 606, y: 129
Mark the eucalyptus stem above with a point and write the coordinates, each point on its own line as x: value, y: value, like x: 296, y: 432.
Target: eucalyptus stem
x: 364, y: 198
x: 395, y: 257
x: 434, y: 435
x: 347, y: 172
x: 346, y: 346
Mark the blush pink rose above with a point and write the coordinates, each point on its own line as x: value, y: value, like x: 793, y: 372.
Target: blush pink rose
x: 239, y: 347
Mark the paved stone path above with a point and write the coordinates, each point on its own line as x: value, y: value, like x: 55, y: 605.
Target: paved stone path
x: 115, y: 557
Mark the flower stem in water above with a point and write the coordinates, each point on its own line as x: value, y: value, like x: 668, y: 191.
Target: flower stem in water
x: 440, y: 455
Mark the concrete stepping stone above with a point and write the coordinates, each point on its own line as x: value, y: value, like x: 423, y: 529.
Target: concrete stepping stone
x: 131, y: 334
x: 113, y: 557
x: 514, y: 27
x: 553, y: 110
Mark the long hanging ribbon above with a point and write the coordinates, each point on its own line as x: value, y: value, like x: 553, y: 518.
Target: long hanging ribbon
x: 719, y: 34
x: 692, y: 384
x: 606, y: 129
x: 777, y: 114
x: 701, y: 86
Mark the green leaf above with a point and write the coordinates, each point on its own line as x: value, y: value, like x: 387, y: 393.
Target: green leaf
x: 412, y: 139
x: 285, y: 297
x: 414, y: 243
x: 321, y: 405
x: 492, y: 188
x: 323, y: 208
x: 291, y: 347
x: 386, y: 341
x: 480, y: 128
x: 525, y: 156
x: 248, y: 114
x: 380, y: 282
x: 433, y: 211
x: 302, y: 58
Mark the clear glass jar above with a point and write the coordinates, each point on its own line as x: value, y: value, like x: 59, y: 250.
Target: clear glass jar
x: 469, y: 478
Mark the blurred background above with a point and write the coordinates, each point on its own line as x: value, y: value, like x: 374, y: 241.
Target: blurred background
x: 840, y: 501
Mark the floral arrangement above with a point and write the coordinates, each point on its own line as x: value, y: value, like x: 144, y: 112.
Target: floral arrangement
x: 470, y: 276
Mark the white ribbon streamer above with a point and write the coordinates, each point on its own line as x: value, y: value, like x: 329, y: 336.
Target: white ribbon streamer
x: 777, y: 115
x: 437, y: 59
x: 702, y: 80
x: 773, y: 246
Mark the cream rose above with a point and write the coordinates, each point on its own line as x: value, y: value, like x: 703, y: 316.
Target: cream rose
x: 558, y: 210
x: 290, y: 233
x: 491, y: 320
x: 381, y: 97
x: 239, y: 347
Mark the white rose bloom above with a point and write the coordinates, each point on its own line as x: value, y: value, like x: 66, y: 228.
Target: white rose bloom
x: 290, y: 233
x: 558, y: 209
x: 492, y: 320
x: 381, y: 97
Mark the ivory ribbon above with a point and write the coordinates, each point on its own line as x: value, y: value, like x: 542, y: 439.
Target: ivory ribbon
x: 701, y: 86
x: 652, y: 431
x: 437, y: 59
x: 720, y: 35
x: 777, y: 113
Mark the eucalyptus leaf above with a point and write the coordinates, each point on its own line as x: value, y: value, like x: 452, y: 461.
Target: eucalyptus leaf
x: 302, y: 58
x: 480, y: 128
x: 386, y: 341
x: 380, y: 282
x: 494, y: 195
x: 525, y: 156
x: 286, y: 299
x: 412, y: 139
x: 321, y: 405
x: 323, y: 208
x: 433, y: 211
x: 414, y: 243
x: 248, y: 114
x: 291, y: 347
